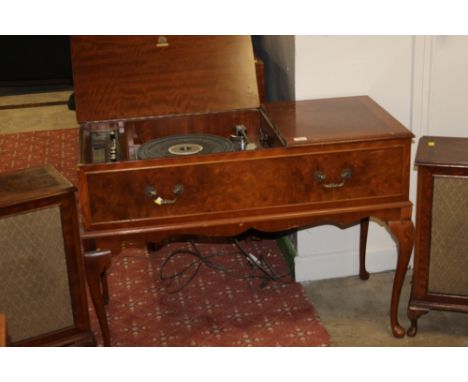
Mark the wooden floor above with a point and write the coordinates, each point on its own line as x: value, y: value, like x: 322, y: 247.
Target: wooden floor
x: 39, y: 111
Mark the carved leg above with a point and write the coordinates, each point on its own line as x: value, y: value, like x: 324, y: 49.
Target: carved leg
x: 413, y: 314
x: 97, y: 262
x: 403, y: 231
x: 363, y: 274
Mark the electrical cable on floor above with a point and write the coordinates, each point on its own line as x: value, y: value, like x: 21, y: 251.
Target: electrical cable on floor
x: 258, y: 268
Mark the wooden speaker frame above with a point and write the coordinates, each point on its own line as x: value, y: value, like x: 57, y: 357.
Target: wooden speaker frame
x: 430, y: 167
x: 34, y: 190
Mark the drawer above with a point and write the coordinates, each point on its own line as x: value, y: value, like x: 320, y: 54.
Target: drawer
x: 241, y: 185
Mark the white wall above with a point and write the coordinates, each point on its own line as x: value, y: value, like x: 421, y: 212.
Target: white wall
x: 447, y: 86
x: 378, y: 66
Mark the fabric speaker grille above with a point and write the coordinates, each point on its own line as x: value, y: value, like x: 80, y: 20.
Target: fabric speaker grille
x: 448, y: 264
x: 34, y: 285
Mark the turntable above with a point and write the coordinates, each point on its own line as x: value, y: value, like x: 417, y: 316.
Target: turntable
x: 174, y: 142
x: 186, y: 144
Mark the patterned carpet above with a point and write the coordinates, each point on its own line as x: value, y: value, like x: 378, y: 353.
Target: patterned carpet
x: 57, y: 147
x: 214, y: 309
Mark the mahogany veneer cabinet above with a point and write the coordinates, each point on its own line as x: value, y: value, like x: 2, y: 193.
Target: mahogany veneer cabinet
x: 331, y: 161
x: 42, y: 278
x: 440, y: 276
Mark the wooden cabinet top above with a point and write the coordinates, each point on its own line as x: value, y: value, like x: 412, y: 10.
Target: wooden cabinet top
x: 30, y: 184
x: 334, y: 120
x: 442, y: 151
x: 147, y: 77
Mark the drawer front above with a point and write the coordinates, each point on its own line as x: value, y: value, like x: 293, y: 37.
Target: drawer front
x: 248, y: 185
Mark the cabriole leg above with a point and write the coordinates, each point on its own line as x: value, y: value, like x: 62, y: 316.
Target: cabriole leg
x: 403, y: 230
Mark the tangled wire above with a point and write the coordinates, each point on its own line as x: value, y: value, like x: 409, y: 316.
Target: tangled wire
x: 257, y: 268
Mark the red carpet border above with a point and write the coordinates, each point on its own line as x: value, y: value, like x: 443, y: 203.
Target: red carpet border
x: 214, y: 309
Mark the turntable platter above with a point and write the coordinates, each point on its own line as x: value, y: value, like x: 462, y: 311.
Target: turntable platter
x: 186, y: 144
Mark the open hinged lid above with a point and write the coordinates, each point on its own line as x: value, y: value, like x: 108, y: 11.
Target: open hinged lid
x: 118, y: 77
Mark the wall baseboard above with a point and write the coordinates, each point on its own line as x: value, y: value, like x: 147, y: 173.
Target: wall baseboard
x: 321, y: 266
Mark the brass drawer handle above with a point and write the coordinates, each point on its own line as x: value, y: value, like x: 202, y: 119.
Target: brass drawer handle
x: 320, y: 177
x: 152, y: 193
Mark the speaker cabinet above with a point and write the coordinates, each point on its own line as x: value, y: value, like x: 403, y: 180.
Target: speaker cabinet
x: 440, y: 277
x: 42, y: 279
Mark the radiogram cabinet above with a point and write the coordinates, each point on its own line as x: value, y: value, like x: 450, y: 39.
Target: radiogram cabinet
x: 291, y: 165
x: 440, y: 276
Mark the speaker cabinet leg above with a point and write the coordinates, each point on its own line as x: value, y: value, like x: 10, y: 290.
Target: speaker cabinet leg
x: 363, y: 274
x: 97, y: 262
x: 403, y: 231
x: 413, y: 314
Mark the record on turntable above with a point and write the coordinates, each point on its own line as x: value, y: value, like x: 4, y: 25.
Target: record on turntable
x: 184, y: 145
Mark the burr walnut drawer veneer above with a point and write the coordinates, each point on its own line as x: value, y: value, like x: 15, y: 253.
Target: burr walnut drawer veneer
x: 201, y: 188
